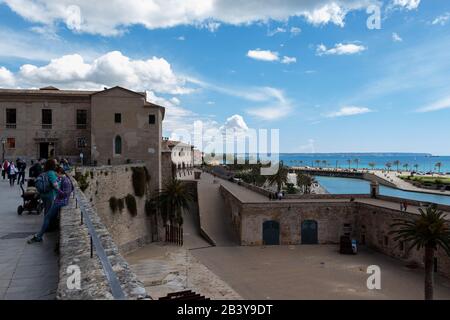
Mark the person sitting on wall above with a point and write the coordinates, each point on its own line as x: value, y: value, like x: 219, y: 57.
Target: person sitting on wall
x: 49, y: 185
x: 61, y: 200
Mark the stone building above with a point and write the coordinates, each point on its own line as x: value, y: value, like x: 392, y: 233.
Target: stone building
x: 111, y: 126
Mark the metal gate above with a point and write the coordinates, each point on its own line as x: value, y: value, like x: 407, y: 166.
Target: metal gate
x: 309, y: 232
x: 271, y: 233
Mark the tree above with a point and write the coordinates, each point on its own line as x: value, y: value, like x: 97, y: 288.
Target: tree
x: 397, y: 163
x: 388, y: 166
x: 280, y: 177
x: 357, y: 163
x: 172, y: 201
x: 325, y: 163
x: 438, y: 165
x: 349, y: 163
x: 429, y: 230
x: 416, y: 166
x: 318, y: 162
x: 406, y: 166
x: 372, y: 165
x: 305, y: 181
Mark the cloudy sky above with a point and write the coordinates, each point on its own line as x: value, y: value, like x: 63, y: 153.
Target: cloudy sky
x: 313, y: 68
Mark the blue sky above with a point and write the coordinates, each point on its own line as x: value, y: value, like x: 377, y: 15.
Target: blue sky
x: 312, y: 69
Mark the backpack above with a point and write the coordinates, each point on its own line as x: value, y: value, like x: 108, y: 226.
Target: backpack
x: 43, y: 184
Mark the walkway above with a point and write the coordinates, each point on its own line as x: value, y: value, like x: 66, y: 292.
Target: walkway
x: 26, y: 271
x: 215, y: 219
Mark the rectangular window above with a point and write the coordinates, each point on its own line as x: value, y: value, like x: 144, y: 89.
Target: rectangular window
x: 46, y: 118
x: 11, y: 143
x: 81, y: 143
x: 81, y: 119
x: 11, y: 118
x: 118, y: 118
x: 151, y: 119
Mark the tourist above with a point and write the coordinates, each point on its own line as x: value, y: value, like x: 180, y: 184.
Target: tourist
x: 35, y: 169
x: 405, y: 206
x: 401, y: 206
x: 21, y: 166
x: 5, y: 166
x: 12, y: 173
x: 47, y: 184
x: 61, y: 200
x: 66, y: 165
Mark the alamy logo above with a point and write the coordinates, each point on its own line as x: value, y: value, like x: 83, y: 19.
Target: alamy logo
x: 374, y: 280
x: 74, y: 278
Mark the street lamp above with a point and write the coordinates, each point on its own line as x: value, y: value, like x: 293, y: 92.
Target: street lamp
x: 3, y: 149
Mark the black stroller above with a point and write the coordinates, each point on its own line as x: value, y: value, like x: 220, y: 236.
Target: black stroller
x: 31, y: 199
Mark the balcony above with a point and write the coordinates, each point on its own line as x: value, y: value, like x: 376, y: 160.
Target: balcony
x: 81, y: 126
x: 11, y: 126
x: 46, y: 126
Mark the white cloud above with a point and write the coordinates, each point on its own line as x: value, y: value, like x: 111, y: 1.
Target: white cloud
x: 295, y: 31
x: 340, y: 49
x: 407, y: 4
x: 181, y: 38
x: 276, y: 105
x: 110, y: 69
x: 6, y: 78
x: 263, y: 55
x: 396, y: 37
x: 436, y: 106
x: 348, y: 111
x: 113, y: 17
x: 235, y: 123
x: 275, y: 31
x: 288, y: 60
x: 442, y: 19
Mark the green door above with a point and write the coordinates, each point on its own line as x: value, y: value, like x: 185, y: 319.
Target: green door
x: 271, y: 233
x: 309, y: 232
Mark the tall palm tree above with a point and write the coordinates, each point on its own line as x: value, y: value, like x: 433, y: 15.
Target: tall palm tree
x: 349, y: 163
x: 172, y: 201
x: 372, y: 165
x: 325, y: 163
x: 438, y: 165
x: 416, y: 166
x: 397, y: 163
x: 357, y: 163
x: 317, y: 162
x: 388, y: 166
x: 280, y: 177
x: 406, y: 166
x: 430, y: 230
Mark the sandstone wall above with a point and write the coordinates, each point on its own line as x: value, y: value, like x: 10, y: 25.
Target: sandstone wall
x: 128, y: 231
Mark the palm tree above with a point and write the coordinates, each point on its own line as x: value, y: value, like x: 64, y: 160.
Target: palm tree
x: 280, y: 177
x: 430, y: 230
x: 172, y: 201
x: 397, y: 163
x: 349, y: 163
x: 406, y: 166
x: 372, y: 165
x: 324, y: 163
x: 357, y: 163
x: 388, y: 166
x: 305, y: 181
x: 318, y: 162
x: 416, y: 166
x: 438, y: 165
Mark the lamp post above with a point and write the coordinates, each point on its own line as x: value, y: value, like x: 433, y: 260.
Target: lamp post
x: 3, y: 149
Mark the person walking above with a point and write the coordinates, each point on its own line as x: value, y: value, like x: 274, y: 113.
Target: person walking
x: 62, y: 199
x: 5, y: 166
x: 12, y: 173
x: 405, y: 206
x: 21, y: 167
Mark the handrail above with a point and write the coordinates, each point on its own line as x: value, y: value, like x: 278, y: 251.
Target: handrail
x: 111, y: 276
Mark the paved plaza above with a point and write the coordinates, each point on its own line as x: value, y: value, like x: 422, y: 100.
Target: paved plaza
x: 26, y: 271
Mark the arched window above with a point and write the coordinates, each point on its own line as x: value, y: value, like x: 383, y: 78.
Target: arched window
x: 118, y: 145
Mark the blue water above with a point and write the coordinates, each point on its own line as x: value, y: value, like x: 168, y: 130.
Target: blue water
x: 336, y: 185
x: 425, y: 162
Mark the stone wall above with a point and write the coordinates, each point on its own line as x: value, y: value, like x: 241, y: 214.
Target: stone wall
x: 128, y: 231
x: 369, y: 224
x: 75, y: 248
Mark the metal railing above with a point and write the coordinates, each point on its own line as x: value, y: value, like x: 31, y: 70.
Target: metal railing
x: 96, y: 244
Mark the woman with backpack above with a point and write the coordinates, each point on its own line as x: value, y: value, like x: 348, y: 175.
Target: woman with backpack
x: 61, y: 200
x: 47, y: 184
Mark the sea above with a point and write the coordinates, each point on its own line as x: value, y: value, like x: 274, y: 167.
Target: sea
x: 425, y: 162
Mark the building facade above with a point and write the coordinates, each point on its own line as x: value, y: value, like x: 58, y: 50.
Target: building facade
x: 107, y: 127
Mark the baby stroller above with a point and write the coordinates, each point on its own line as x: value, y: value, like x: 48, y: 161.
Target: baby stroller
x: 31, y: 199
